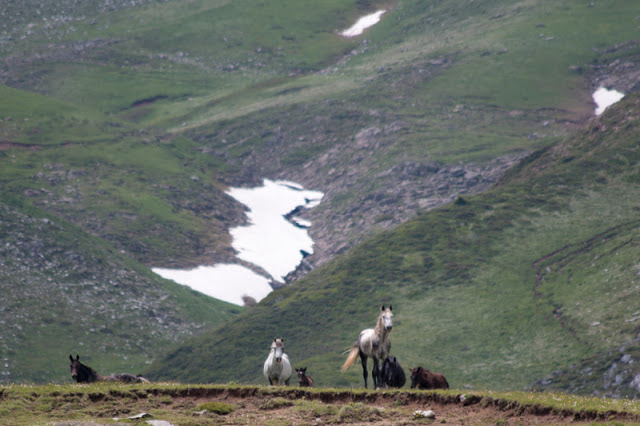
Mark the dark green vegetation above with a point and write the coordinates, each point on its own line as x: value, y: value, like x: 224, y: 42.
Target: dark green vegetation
x: 233, y: 404
x: 123, y: 124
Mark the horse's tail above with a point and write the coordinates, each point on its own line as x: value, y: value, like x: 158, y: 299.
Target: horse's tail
x: 351, y: 358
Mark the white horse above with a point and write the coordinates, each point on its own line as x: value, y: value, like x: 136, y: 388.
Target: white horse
x: 277, y: 367
x: 374, y: 343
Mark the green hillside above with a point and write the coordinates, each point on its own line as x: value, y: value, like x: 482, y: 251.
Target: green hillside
x: 65, y: 292
x: 129, y: 120
x: 194, y: 95
x: 495, y: 290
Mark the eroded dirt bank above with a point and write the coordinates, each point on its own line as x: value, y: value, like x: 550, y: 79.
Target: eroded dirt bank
x: 180, y: 405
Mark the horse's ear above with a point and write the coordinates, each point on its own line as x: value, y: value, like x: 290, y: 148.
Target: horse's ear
x: 382, y: 308
x: 77, y: 357
x: 282, y: 339
x: 71, y: 357
x: 419, y: 369
x: 391, y: 307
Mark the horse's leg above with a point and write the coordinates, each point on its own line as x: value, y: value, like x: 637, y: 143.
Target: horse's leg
x: 363, y: 358
x: 286, y: 382
x: 270, y: 382
x: 376, y: 373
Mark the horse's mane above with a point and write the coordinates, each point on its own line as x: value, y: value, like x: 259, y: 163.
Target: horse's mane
x: 86, y: 373
x: 379, y: 326
x: 379, y: 330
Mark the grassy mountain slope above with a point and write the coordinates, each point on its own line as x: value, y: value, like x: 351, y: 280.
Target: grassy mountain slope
x: 130, y: 119
x: 67, y: 292
x: 238, y: 91
x: 495, y: 290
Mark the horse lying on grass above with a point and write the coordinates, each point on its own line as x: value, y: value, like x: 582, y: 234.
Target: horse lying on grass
x: 84, y: 374
x: 425, y: 379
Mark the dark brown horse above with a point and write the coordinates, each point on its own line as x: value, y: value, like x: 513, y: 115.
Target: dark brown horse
x: 425, y: 379
x: 303, y: 379
x: 84, y: 374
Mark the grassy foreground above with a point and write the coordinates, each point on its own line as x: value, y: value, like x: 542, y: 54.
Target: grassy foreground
x: 235, y: 404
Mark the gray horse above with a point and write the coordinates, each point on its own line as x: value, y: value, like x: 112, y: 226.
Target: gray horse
x: 373, y: 343
x: 277, y: 368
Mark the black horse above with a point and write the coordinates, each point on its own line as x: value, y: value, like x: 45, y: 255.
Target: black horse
x: 84, y: 374
x: 392, y: 373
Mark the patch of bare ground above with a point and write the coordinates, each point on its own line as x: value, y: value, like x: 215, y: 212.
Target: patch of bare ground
x: 4, y: 145
x: 281, y: 406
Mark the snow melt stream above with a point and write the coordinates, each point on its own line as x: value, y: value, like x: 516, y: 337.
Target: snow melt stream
x: 270, y: 241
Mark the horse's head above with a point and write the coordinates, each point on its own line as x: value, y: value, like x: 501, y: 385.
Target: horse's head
x: 81, y: 373
x: 74, y: 365
x: 386, y: 316
x: 301, y: 372
x: 415, y: 374
x: 278, y: 349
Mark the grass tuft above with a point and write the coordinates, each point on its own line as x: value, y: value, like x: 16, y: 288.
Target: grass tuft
x: 217, y: 407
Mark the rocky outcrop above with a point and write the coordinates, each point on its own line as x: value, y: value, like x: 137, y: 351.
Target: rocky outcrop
x: 615, y: 374
x: 402, y: 191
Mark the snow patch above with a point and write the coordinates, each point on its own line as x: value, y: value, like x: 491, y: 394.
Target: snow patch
x: 270, y: 241
x: 228, y: 282
x: 362, y: 24
x: 604, y: 98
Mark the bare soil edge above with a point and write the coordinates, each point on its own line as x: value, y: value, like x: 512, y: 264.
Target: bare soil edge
x: 514, y: 408
x: 456, y: 408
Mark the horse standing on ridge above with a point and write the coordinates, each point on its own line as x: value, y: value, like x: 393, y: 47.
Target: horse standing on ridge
x: 277, y: 367
x: 84, y: 374
x: 373, y: 343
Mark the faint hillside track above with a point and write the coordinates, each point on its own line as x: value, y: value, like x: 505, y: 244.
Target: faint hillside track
x: 559, y: 259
